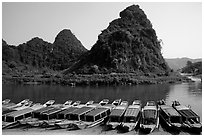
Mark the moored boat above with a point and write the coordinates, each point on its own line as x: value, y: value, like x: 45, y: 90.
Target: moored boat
x: 131, y: 117
x: 26, y: 105
x: 50, y: 117
x: 191, y: 121
x: 150, y: 118
x: 78, y: 115
x: 13, y: 106
x: 89, y: 103
x: 36, y: 116
x: 49, y: 103
x: 104, y: 102
x: 11, y: 119
x: 169, y: 117
x: 64, y: 116
x: 95, y: 117
x: 116, y: 115
x: 76, y: 103
x: 116, y: 102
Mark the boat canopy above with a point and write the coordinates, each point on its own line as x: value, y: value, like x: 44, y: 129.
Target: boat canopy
x: 82, y: 110
x: 43, y: 109
x: 51, y: 111
x: 110, y: 106
x: 20, y: 112
x: 188, y: 113
x: 7, y: 111
x: 170, y: 111
x: 132, y: 112
x: 182, y: 107
x: 149, y: 113
x: 97, y: 111
x: 67, y: 111
x: 118, y: 111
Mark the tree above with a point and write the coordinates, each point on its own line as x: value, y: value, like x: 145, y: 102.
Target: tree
x: 189, y: 63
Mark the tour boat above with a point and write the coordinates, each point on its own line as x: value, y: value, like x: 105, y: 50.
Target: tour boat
x: 131, y: 117
x: 64, y: 116
x: 191, y: 121
x: 35, y: 106
x: 95, y: 117
x: 104, y: 102
x: 50, y: 117
x: 116, y: 115
x: 11, y: 119
x: 150, y: 118
x: 78, y: 115
x: 116, y: 102
x: 36, y: 119
x: 169, y: 117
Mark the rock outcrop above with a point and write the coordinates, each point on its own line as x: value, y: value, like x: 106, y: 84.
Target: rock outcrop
x: 128, y: 44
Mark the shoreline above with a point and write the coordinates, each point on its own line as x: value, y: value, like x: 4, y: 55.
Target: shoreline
x: 90, y: 131
x: 94, y: 79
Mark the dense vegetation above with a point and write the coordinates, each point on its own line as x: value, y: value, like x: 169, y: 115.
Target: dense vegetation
x: 194, y: 68
x: 129, y: 44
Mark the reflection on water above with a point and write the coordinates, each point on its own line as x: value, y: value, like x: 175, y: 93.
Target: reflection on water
x: 188, y: 93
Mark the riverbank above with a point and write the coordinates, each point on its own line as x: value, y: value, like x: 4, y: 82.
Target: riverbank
x: 90, y: 131
x: 93, y: 79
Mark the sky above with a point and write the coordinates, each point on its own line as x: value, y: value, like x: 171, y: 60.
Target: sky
x: 179, y: 25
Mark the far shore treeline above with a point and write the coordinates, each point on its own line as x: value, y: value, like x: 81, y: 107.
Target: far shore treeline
x: 127, y: 52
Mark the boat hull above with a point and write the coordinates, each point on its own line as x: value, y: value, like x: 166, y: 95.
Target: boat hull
x: 169, y: 127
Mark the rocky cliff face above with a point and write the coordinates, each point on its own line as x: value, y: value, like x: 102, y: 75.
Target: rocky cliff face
x: 66, y: 50
x: 128, y: 44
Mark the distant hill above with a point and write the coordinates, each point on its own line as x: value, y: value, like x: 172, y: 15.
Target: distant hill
x: 128, y: 44
x: 178, y: 63
x: 38, y: 53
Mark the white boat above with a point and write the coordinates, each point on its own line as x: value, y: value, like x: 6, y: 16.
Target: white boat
x: 89, y: 103
x: 131, y: 117
x: 76, y: 103
x: 6, y: 101
x: 116, y: 102
x: 104, y: 102
x: 116, y: 115
x: 18, y: 104
x: 49, y: 103
x: 26, y: 105
x: 150, y: 118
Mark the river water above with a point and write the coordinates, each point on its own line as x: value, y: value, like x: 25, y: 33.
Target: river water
x: 185, y: 93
